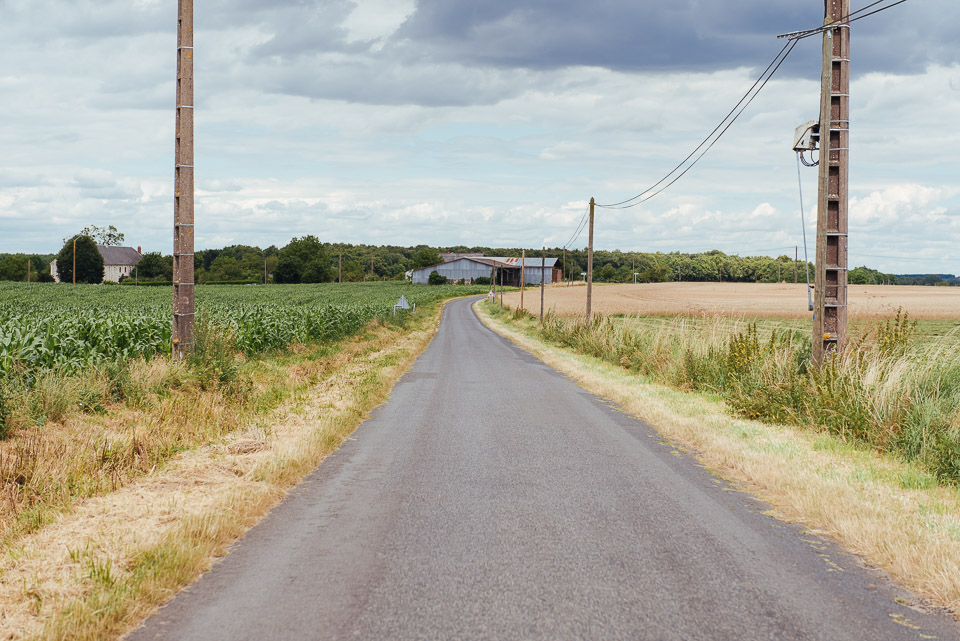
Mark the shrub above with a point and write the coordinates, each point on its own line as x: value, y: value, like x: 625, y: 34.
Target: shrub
x: 436, y: 279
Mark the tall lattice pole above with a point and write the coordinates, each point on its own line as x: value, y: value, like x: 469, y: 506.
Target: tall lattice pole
x: 183, y: 219
x: 830, y: 295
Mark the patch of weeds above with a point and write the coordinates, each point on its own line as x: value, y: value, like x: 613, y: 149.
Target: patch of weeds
x: 6, y: 408
x: 214, y: 356
x: 830, y: 443
x: 912, y: 479
x: 784, y: 449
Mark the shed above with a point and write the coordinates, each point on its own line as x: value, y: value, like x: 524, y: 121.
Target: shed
x: 469, y: 268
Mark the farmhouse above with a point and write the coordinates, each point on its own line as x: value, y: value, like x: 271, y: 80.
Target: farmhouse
x: 469, y: 268
x: 117, y: 262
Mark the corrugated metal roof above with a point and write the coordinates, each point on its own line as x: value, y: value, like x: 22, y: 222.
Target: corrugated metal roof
x: 119, y: 255
x: 451, y: 256
x: 502, y: 261
x: 528, y: 263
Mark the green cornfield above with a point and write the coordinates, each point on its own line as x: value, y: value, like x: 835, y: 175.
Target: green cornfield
x: 68, y: 327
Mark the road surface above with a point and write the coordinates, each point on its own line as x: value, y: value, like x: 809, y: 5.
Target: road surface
x: 492, y: 498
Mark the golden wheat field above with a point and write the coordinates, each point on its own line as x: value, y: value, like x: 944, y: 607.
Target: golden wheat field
x: 749, y: 300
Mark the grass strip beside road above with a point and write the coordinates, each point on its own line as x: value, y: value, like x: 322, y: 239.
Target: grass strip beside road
x: 105, y: 564
x: 892, y: 514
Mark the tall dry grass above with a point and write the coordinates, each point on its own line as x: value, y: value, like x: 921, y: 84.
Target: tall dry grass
x: 888, y: 389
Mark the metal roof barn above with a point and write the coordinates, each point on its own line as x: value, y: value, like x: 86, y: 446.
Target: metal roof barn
x: 467, y: 269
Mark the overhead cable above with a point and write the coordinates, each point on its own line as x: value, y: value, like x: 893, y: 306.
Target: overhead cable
x: 807, y: 33
x: 714, y: 136
x: 579, y: 230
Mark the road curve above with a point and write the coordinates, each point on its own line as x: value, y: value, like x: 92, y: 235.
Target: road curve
x: 492, y: 498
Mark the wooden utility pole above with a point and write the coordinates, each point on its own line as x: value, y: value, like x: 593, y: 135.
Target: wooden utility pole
x: 183, y: 215
x: 501, y: 289
x: 523, y: 274
x: 340, y: 267
x: 28, y: 269
x: 830, y: 291
x: 563, y: 274
x: 74, y: 260
x: 543, y: 275
x: 590, y: 266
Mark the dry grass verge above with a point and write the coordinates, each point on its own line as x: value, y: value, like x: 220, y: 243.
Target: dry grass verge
x: 891, y: 514
x: 101, y: 568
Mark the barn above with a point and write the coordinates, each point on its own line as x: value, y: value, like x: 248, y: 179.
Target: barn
x: 468, y: 268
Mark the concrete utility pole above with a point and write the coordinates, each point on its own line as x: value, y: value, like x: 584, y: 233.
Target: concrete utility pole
x: 563, y: 274
x: 796, y: 264
x: 830, y: 292
x: 371, y: 263
x: 74, y: 260
x: 183, y: 219
x: 590, y: 266
x: 340, y: 267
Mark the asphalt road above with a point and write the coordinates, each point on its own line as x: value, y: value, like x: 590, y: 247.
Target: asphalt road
x: 492, y: 498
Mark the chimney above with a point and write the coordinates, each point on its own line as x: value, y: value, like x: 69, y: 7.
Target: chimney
x: 139, y: 250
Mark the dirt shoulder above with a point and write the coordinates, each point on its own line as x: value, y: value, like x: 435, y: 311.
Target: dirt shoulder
x: 100, y: 569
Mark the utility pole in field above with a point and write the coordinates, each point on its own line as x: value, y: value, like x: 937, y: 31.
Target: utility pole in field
x: 523, y: 275
x: 340, y: 267
x: 563, y: 274
x: 796, y: 263
x: 830, y: 292
x: 371, y: 263
x: 590, y: 265
x: 183, y: 217
x: 543, y: 272
x: 501, y: 289
x: 74, y: 260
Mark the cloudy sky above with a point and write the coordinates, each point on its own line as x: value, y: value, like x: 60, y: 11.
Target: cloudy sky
x: 479, y: 123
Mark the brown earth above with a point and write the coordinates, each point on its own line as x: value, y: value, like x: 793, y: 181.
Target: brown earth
x: 738, y: 300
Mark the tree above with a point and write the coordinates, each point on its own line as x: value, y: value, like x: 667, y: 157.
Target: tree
x: 303, y: 260
x: 154, y: 266
x: 436, y: 279
x: 102, y: 235
x: 425, y: 257
x: 89, y: 261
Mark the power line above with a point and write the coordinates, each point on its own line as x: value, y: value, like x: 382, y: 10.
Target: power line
x: 725, y: 118
x: 752, y: 93
x: 579, y: 230
x: 807, y: 33
x: 749, y: 97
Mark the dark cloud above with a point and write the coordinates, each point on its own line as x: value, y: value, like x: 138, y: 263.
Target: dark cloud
x: 632, y: 35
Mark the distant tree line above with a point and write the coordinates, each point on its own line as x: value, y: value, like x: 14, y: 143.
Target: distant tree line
x: 307, y: 259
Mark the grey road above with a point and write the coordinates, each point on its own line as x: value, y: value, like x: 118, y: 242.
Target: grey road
x: 492, y: 498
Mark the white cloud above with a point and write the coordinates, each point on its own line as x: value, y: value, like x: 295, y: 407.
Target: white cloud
x: 335, y: 133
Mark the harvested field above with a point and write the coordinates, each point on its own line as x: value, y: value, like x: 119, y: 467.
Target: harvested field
x: 749, y: 300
